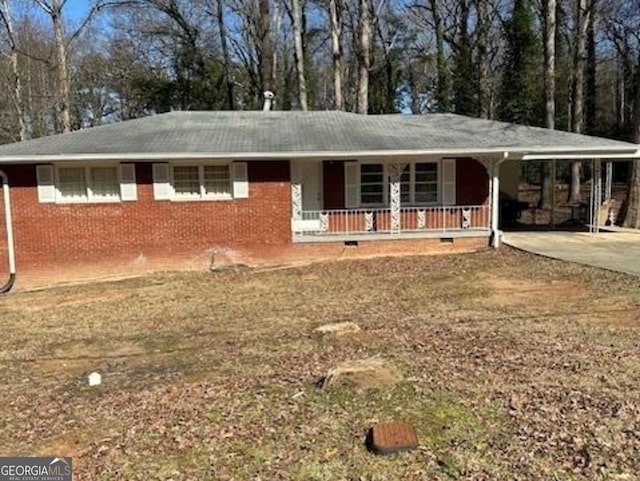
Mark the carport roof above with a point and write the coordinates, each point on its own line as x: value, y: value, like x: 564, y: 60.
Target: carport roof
x: 321, y: 134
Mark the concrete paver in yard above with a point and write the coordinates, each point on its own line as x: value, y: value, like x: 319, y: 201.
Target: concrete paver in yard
x: 616, y: 251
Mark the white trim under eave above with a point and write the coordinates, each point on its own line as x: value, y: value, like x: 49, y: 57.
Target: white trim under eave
x: 570, y: 153
x: 527, y: 157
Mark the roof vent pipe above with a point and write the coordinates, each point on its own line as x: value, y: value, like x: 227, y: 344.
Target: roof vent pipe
x: 4, y: 182
x: 268, y: 99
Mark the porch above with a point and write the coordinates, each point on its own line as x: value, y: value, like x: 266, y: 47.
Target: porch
x: 386, y: 199
x: 383, y: 223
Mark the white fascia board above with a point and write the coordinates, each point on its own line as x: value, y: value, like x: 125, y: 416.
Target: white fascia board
x: 502, y: 153
x: 582, y: 156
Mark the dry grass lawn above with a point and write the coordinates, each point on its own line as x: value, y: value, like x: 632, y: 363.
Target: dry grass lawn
x: 515, y: 367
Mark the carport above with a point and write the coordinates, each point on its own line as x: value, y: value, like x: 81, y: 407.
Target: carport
x: 600, y: 183
x: 616, y: 250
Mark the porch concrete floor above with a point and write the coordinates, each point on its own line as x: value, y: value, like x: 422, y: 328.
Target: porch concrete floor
x: 617, y: 251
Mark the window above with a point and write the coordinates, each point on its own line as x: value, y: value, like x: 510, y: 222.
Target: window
x: 217, y: 181
x: 186, y: 181
x: 372, y: 184
x: 426, y: 183
x: 93, y: 184
x: 419, y: 184
x: 202, y: 181
x: 104, y: 183
x: 72, y: 183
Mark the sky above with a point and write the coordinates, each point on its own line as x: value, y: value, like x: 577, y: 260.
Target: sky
x: 76, y: 9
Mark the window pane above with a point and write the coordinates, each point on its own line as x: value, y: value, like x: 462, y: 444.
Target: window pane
x: 217, y: 180
x: 72, y: 183
x: 426, y: 188
x: 427, y: 172
x: 405, y: 185
x: 371, y: 183
x: 426, y: 193
x: 104, y: 182
x: 372, y: 198
x: 186, y: 181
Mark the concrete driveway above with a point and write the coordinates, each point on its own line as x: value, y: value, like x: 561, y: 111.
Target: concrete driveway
x: 616, y: 251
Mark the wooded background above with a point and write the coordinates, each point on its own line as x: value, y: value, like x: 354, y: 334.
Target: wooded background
x: 561, y: 64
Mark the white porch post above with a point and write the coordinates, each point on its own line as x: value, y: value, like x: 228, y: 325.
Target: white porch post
x: 598, y: 192
x: 296, y: 193
x: 608, y: 180
x: 395, y: 175
x: 495, y: 201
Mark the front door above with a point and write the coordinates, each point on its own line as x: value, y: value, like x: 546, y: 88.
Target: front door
x: 310, y: 173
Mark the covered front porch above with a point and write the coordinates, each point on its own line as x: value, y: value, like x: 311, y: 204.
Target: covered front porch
x: 392, y: 198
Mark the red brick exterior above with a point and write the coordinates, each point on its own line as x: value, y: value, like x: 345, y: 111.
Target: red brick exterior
x: 63, y: 242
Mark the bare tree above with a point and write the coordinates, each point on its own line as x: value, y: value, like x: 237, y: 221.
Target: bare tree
x: 7, y: 19
x: 632, y: 218
x: 335, y: 15
x: 53, y: 8
x: 577, y: 104
x: 364, y: 55
x: 226, y: 58
x: 484, y: 94
x: 266, y: 58
x: 549, y: 38
x: 299, y: 53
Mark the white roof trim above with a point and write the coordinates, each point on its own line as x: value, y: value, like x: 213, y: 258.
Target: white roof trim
x: 512, y: 154
x: 617, y: 156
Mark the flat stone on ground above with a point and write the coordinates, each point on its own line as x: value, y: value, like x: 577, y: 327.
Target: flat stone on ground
x: 338, y: 328
x: 363, y: 374
x: 392, y: 438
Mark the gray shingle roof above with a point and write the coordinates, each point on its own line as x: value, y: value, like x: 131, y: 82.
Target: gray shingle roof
x: 281, y: 134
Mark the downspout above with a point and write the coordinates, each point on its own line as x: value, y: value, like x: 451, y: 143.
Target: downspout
x: 4, y: 180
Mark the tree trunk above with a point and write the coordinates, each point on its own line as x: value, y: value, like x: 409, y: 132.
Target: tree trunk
x: 443, y: 89
x: 335, y: 13
x: 16, y: 80
x: 266, y: 46
x: 226, y: 59
x: 483, y: 61
x: 577, y: 111
x: 364, y: 60
x: 590, y: 94
x: 64, y: 87
x: 549, y: 30
x: 632, y: 217
x: 299, y: 53
x: 549, y: 9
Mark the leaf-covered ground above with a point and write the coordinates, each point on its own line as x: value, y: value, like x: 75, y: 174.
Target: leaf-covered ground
x: 515, y: 367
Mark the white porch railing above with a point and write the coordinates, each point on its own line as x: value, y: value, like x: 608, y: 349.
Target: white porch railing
x: 341, y: 224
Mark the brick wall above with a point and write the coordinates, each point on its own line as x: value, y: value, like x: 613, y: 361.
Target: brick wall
x: 54, y: 235
x: 65, y: 242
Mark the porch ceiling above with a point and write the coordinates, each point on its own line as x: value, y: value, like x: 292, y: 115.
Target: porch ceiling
x: 327, y: 134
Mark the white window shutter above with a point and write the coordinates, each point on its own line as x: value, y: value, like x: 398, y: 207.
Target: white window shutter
x: 351, y: 184
x: 46, y: 184
x: 128, y: 185
x: 448, y: 181
x: 161, y: 184
x: 240, y: 180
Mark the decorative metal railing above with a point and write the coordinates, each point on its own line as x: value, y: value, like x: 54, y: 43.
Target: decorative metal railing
x: 342, y: 223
